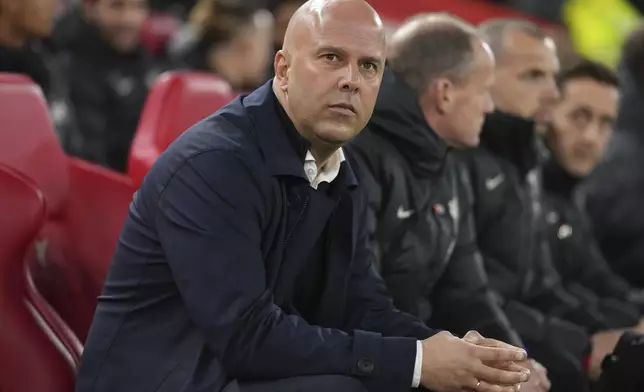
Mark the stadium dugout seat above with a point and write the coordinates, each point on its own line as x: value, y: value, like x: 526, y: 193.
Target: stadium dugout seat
x: 87, y: 205
x: 34, y: 355
x: 157, y: 31
x: 177, y: 101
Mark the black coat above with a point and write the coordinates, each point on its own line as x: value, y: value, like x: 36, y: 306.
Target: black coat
x: 106, y: 88
x: 421, y: 222
x: 583, y: 269
x: 39, y: 64
x: 214, y: 258
x: 616, y: 189
x: 505, y: 173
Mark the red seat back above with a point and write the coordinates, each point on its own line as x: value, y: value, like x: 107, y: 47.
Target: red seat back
x: 71, y: 254
x: 157, y: 32
x: 97, y: 205
x: 177, y: 101
x: 28, y: 142
x: 34, y: 358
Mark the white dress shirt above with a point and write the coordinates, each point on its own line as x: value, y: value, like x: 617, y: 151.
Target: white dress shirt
x: 328, y: 173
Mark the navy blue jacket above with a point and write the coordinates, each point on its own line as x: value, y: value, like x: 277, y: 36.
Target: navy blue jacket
x: 200, y: 290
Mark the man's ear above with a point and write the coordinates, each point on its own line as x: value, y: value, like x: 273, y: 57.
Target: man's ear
x: 281, y: 66
x: 443, y: 92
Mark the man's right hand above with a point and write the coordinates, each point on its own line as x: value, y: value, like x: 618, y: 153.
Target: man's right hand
x: 451, y: 364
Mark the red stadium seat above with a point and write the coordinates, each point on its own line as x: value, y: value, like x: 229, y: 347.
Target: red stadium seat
x: 87, y: 205
x: 34, y: 356
x: 177, y: 101
x: 28, y: 142
x: 157, y: 32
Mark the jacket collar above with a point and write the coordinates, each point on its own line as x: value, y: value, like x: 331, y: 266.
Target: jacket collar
x: 557, y: 181
x: 398, y: 118
x: 284, y: 149
x: 512, y: 138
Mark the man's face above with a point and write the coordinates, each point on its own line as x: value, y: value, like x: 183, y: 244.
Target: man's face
x: 31, y: 18
x: 582, y: 124
x: 332, y: 79
x: 525, y: 77
x: 472, y: 101
x: 120, y: 21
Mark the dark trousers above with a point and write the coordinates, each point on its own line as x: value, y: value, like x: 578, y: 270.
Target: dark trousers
x: 565, y: 372
x: 328, y: 383
x: 558, y: 345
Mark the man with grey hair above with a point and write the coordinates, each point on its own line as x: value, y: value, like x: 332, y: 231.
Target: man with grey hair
x: 433, y: 97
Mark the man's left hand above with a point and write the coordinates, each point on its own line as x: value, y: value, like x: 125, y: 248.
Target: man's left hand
x: 538, y: 382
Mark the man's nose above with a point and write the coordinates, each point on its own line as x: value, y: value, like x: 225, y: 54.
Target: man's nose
x: 351, y: 78
x: 552, y: 92
x: 489, y: 105
x: 592, y: 132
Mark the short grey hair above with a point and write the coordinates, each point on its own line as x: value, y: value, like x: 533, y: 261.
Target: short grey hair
x: 432, y: 45
x: 494, y: 31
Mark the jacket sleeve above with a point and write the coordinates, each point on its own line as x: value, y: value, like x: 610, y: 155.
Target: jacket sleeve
x: 368, y: 162
x: 595, y: 273
x: 547, y: 293
x: 210, y: 217
x: 365, y: 169
x: 614, y: 194
x: 463, y: 297
x: 586, y: 274
x: 370, y: 304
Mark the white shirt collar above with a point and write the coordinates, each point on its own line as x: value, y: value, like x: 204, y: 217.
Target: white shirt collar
x: 328, y: 172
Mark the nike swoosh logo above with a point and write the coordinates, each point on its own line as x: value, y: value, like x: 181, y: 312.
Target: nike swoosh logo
x: 402, y: 213
x: 493, y: 183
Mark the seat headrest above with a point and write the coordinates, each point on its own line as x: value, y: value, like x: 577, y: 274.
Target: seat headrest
x: 178, y: 100
x: 28, y: 142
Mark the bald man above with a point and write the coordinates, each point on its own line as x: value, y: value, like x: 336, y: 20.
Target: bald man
x: 243, y: 263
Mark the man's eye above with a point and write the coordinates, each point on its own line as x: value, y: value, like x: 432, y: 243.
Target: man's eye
x: 330, y: 57
x: 370, y: 66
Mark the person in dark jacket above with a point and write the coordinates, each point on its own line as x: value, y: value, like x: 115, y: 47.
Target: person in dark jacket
x: 23, y: 27
x: 616, y: 189
x: 243, y: 264
x: 228, y: 38
x: 582, y: 124
x: 420, y: 220
x: 109, y: 74
x: 508, y: 209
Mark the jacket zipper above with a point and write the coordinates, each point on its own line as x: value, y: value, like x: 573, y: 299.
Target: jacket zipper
x: 299, y: 218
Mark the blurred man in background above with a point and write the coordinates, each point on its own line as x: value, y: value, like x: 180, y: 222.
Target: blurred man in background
x: 581, y: 127
x: 109, y: 73
x: 282, y: 11
x: 504, y: 172
x: 616, y: 189
x: 22, y: 26
x: 582, y: 124
x: 434, y: 97
x: 229, y: 38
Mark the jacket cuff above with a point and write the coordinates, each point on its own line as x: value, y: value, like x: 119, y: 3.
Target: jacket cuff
x: 383, y: 364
